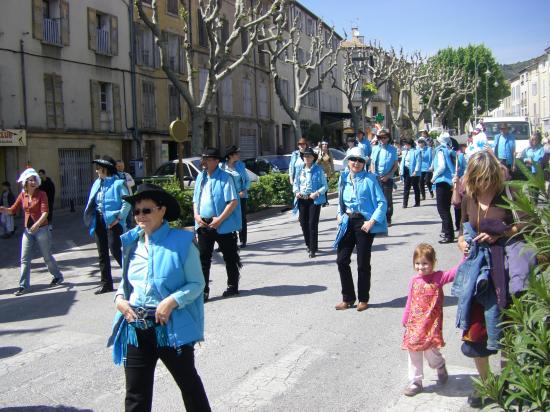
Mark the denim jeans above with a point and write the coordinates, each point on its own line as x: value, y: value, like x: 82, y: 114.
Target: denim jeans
x: 42, y: 237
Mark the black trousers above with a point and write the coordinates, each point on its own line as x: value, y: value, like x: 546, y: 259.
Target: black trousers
x: 107, y: 240
x: 207, y: 237
x: 309, y: 221
x: 426, y: 180
x: 458, y: 217
x: 409, y: 181
x: 140, y: 374
x: 354, y: 236
x: 242, y: 233
x: 443, y: 195
x: 387, y: 188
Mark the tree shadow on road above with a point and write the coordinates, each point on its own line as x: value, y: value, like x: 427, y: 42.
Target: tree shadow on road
x: 44, y: 408
x: 400, y: 302
x: 36, y: 306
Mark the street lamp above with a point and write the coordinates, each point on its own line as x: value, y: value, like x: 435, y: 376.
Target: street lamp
x: 487, y: 74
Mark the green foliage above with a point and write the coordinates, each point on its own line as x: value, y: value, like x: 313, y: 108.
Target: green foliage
x: 369, y: 89
x: 184, y: 198
x: 333, y: 182
x: 315, y: 132
x: 272, y: 189
x: 525, y: 379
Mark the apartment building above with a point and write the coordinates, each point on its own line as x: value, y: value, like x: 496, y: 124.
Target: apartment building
x: 64, y: 89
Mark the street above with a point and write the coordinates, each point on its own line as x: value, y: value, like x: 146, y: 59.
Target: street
x: 278, y: 346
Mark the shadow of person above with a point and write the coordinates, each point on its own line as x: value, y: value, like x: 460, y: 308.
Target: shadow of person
x: 458, y: 386
x: 279, y: 290
x: 44, y: 408
x: 400, y: 302
x: 7, y: 351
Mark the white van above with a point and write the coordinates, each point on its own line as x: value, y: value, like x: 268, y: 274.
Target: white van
x: 519, y: 127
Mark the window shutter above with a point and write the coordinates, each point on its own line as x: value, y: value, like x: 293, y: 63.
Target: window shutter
x: 116, y: 108
x: 138, y: 34
x: 38, y: 19
x: 65, y: 28
x: 50, y: 102
x: 114, y: 35
x: 156, y: 51
x: 92, y: 27
x: 94, y: 100
x: 58, y: 100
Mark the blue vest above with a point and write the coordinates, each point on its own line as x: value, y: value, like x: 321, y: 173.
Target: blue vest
x: 113, y: 206
x: 318, y: 182
x: 447, y: 175
x: 426, y: 154
x: 415, y: 162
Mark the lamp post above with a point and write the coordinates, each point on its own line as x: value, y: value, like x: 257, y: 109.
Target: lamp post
x: 487, y: 74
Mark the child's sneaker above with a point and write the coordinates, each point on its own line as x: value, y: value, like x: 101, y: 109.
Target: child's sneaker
x: 442, y: 375
x: 413, y: 389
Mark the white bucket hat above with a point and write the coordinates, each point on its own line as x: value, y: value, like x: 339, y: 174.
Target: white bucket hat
x: 445, y: 139
x: 355, y: 152
x: 28, y: 173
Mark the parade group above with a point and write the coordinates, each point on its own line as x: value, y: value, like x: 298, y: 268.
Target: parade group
x: 166, y: 271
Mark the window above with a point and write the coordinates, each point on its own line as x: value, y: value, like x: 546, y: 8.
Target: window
x: 262, y: 101
x: 50, y: 20
x: 534, y: 89
x: 310, y: 27
x: 312, y: 99
x: 172, y: 7
x: 173, y: 103
x: 148, y: 104
x: 300, y: 56
x: 203, y: 41
x: 224, y: 32
x: 261, y: 55
x: 203, y: 77
x: 106, y: 107
x: 147, y: 53
x: 227, y: 95
x: 244, y: 40
x: 53, y: 90
x: 247, y: 97
x: 174, y: 48
x: 285, y: 90
x: 102, y: 32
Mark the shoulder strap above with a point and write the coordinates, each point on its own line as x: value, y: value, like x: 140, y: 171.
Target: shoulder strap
x: 510, y: 197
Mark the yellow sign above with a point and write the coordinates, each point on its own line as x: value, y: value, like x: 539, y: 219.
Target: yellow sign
x: 13, y: 137
x: 179, y: 130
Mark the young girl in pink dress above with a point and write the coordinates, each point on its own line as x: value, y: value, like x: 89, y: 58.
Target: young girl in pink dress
x: 423, y: 318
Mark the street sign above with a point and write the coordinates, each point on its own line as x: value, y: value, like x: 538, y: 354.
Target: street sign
x: 179, y: 130
x: 13, y: 137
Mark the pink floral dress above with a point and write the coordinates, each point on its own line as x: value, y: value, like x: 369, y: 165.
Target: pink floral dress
x: 423, y: 317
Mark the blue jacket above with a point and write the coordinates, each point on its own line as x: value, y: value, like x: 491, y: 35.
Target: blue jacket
x: 447, y: 175
x: 461, y: 164
x: 240, y: 177
x: 427, y: 157
x: 170, y: 248
x: 365, y: 146
x: 318, y: 182
x: 415, y: 162
x: 505, y: 146
x: 473, y: 281
x: 370, y: 197
x: 113, y: 205
x: 295, y: 160
x: 535, y: 155
x: 383, y: 159
x: 223, y: 192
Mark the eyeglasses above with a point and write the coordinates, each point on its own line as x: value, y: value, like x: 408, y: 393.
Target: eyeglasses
x: 145, y: 210
x: 357, y: 159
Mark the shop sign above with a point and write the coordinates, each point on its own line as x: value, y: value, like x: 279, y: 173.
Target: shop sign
x: 13, y: 137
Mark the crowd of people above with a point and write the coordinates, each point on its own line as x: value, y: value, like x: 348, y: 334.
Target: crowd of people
x: 160, y: 301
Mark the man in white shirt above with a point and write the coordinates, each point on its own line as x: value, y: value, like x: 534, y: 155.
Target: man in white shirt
x: 126, y: 176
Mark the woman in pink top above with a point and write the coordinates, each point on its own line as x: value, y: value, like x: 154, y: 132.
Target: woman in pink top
x: 423, y: 318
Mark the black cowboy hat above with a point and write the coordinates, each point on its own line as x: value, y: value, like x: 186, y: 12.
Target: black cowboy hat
x: 229, y: 150
x: 159, y: 196
x: 350, y: 139
x: 309, y: 151
x: 211, y: 152
x: 107, y: 162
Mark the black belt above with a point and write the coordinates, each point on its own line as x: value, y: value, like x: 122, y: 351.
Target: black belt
x: 207, y: 220
x: 144, y: 313
x: 355, y: 215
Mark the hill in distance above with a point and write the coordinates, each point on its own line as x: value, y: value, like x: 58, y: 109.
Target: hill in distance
x: 512, y: 70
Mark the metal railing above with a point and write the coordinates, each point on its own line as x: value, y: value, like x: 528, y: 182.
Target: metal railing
x: 51, y: 33
x: 103, y: 41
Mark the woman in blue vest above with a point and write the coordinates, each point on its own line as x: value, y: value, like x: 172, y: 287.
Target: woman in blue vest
x: 426, y: 163
x: 105, y: 217
x: 361, y: 215
x: 310, y: 186
x: 160, y: 309
x: 410, y: 170
x: 384, y: 164
x: 237, y: 170
x: 443, y: 180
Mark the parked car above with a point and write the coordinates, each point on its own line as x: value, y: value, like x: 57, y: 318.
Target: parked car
x: 191, y: 169
x: 262, y: 165
x: 338, y: 159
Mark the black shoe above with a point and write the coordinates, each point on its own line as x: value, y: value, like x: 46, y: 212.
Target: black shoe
x: 432, y: 194
x: 230, y: 291
x: 417, y: 205
x: 56, y: 282
x: 206, y: 296
x: 243, y: 245
x: 19, y: 292
x: 311, y: 254
x: 404, y: 206
x: 423, y: 197
x: 446, y: 240
x: 104, y: 289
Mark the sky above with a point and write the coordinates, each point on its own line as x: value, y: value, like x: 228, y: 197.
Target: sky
x: 514, y: 30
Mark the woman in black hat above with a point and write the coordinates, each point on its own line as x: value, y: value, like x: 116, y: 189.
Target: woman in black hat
x: 160, y: 309
x: 233, y: 165
x: 105, y: 216
x: 310, y: 186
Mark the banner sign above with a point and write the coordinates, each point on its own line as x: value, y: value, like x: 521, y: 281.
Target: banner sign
x: 13, y: 137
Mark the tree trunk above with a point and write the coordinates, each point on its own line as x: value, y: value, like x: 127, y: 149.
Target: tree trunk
x: 198, y: 116
x: 296, y: 128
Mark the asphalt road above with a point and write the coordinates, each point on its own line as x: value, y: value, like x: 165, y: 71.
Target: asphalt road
x: 278, y: 346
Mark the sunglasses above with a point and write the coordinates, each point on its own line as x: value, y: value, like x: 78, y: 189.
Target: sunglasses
x: 145, y: 211
x: 356, y: 159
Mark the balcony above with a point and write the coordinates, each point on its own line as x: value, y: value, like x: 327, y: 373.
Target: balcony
x: 51, y: 33
x: 103, y: 42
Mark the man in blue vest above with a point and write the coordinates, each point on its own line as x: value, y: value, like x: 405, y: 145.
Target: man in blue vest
x: 384, y: 164
x: 505, y: 147
x: 217, y: 219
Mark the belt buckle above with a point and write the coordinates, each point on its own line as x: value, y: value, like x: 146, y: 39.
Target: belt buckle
x: 140, y: 312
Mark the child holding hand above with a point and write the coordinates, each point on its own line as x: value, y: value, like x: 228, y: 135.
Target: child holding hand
x: 423, y: 318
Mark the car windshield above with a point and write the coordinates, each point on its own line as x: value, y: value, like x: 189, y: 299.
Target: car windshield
x: 520, y: 130
x: 166, y: 169
x: 280, y: 162
x: 337, y: 154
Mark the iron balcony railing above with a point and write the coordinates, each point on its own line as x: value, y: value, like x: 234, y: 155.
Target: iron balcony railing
x: 51, y: 33
x: 103, y: 41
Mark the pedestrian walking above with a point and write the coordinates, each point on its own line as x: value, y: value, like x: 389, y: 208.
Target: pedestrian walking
x: 236, y: 168
x: 423, y: 318
x: 160, y: 310
x: 105, y: 216
x: 127, y: 177
x: 217, y: 217
x: 295, y: 159
x: 443, y: 180
x: 309, y: 190
x: 361, y: 215
x: 35, y: 204
x: 364, y: 143
x: 505, y: 147
x: 326, y: 160
x: 7, y: 199
x: 384, y: 165
x: 410, y: 171
x: 425, y: 173
x: 48, y: 187
x: 533, y: 154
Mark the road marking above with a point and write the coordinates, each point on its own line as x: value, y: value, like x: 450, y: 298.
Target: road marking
x: 269, y: 381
